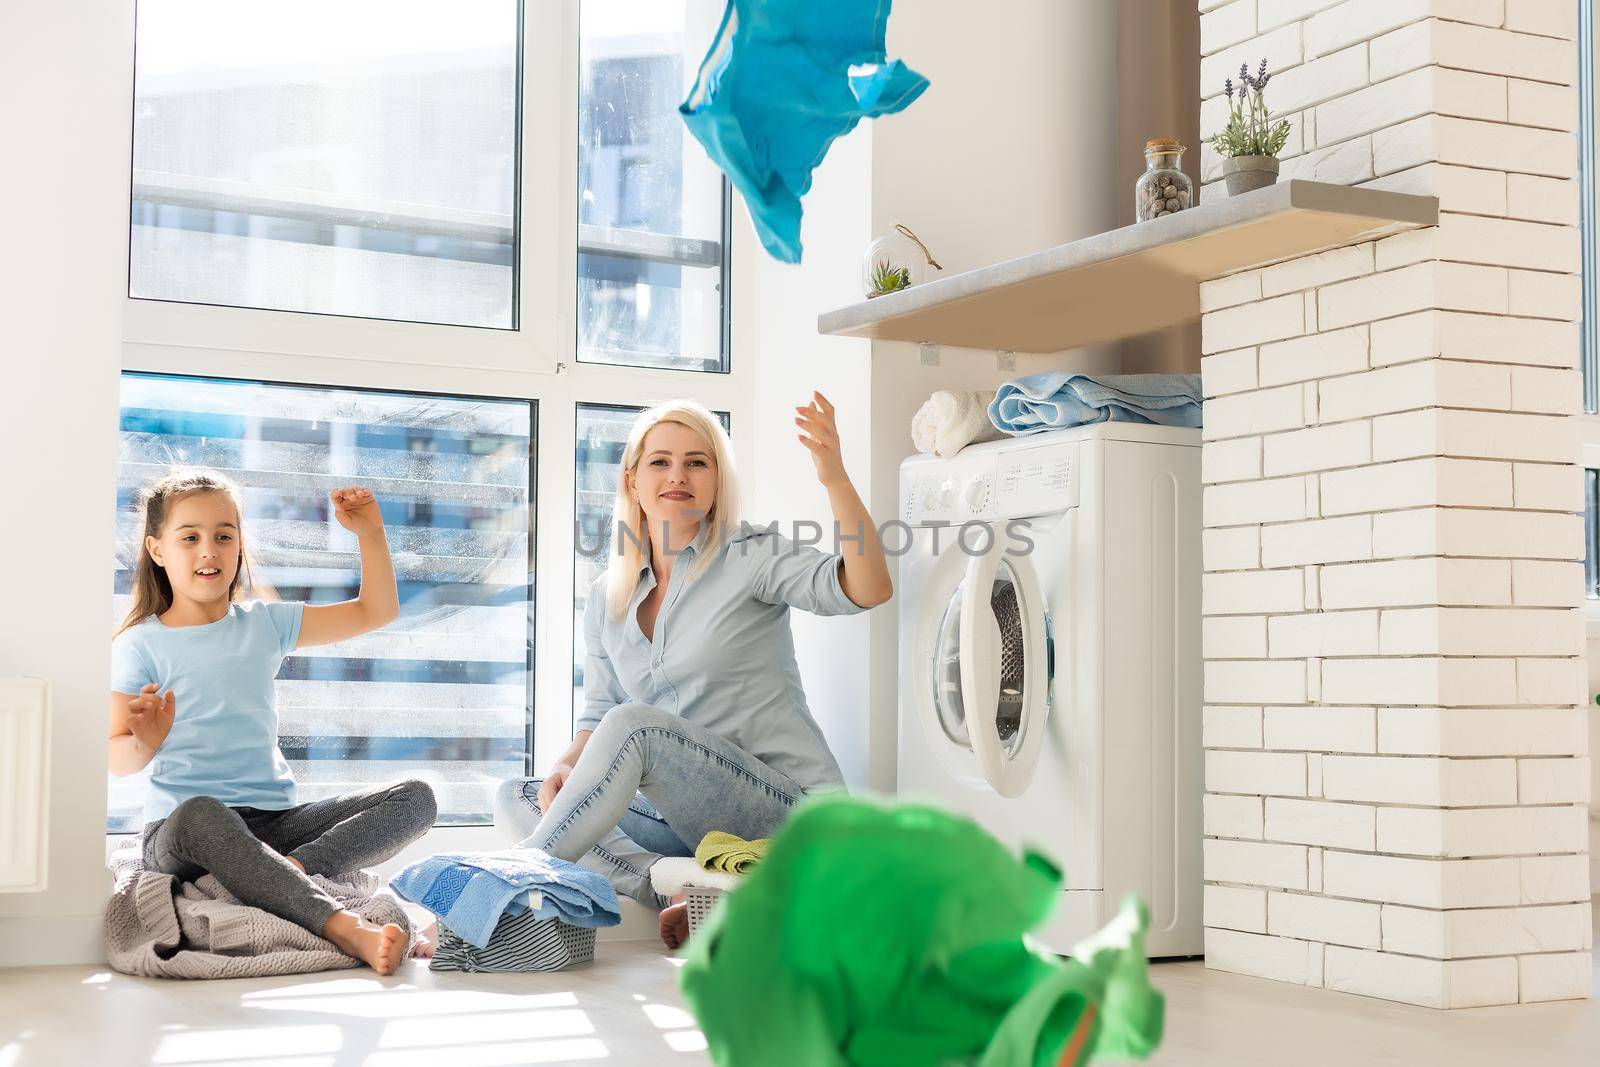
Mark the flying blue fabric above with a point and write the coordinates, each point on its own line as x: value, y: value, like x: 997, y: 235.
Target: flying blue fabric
x: 777, y: 87
x: 471, y: 890
x: 1054, y: 400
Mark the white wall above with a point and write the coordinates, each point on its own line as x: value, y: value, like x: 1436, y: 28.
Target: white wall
x: 1010, y: 149
x: 1009, y: 119
x: 1008, y: 152
x: 775, y: 326
x: 1383, y: 712
x: 62, y: 282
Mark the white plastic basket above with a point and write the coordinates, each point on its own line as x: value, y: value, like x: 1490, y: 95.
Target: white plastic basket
x: 701, y: 899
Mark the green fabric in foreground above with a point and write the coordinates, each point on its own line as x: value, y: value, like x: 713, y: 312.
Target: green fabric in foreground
x: 718, y: 851
x: 891, y: 936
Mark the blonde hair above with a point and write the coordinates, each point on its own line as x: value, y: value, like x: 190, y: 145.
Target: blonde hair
x: 152, y: 590
x: 631, y: 533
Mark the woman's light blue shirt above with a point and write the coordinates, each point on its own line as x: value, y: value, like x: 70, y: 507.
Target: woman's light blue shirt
x: 224, y: 739
x: 723, y: 655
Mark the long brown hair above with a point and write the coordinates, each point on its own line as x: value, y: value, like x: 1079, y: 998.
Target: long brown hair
x: 152, y: 590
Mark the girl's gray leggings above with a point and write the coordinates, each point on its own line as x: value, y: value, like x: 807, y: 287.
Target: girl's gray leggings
x: 245, y: 848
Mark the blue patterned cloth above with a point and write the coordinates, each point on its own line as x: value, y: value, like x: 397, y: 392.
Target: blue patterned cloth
x: 1055, y: 400
x: 777, y: 88
x: 470, y: 891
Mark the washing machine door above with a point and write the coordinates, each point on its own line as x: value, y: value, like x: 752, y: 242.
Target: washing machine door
x: 1006, y: 668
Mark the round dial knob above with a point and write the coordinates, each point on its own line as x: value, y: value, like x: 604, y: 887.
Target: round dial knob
x: 977, y: 493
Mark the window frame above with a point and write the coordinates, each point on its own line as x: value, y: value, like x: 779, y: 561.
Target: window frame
x: 536, y: 362
x: 545, y: 274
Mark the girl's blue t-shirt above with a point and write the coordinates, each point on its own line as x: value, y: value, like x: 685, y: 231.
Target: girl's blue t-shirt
x: 224, y: 738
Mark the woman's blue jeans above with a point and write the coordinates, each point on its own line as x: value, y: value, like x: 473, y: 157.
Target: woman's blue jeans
x: 649, y: 784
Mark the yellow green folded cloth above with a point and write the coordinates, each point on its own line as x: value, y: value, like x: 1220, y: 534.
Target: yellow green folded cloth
x: 720, y: 851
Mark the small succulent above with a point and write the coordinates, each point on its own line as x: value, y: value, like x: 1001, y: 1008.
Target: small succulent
x: 1250, y: 130
x: 887, y: 278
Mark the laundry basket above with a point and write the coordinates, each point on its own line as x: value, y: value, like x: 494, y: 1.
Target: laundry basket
x: 521, y: 942
x: 701, y: 899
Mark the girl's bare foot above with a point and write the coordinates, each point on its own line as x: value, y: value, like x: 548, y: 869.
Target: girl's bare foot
x: 381, y: 947
x: 422, y: 948
x: 675, y: 925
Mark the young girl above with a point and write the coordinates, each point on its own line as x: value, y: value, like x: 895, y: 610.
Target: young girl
x: 192, y: 695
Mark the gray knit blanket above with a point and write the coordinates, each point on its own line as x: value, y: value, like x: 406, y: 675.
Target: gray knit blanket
x: 159, y: 927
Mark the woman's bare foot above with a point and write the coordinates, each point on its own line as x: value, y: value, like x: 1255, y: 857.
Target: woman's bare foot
x: 381, y: 947
x: 422, y: 948
x: 675, y: 925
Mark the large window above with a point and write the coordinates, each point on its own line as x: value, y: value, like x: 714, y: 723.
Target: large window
x: 444, y: 691
x: 452, y: 231
x: 653, y: 211
x: 357, y: 158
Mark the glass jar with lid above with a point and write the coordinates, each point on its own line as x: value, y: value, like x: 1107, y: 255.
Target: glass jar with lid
x: 1163, y: 188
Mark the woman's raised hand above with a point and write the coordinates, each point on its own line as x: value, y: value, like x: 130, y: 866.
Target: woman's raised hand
x: 357, y: 510
x: 820, y: 435
x: 150, y: 716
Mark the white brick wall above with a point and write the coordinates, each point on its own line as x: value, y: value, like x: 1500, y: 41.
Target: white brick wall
x: 1396, y: 761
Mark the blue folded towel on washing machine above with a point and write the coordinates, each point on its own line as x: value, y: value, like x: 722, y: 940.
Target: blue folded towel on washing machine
x: 469, y: 891
x: 1055, y: 400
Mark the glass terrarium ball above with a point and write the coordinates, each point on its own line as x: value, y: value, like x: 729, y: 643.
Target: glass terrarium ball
x: 891, y: 263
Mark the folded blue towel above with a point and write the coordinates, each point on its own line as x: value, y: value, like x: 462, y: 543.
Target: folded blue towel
x: 471, y: 890
x: 1056, y: 399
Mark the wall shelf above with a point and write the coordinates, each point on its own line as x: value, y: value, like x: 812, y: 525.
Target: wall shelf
x: 1132, y: 280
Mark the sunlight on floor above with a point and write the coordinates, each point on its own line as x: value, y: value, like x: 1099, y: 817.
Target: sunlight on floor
x: 668, y: 1017
x: 322, y: 989
x: 205, y: 1046
x: 496, y: 1055
x: 686, y: 1041
x: 485, y: 1029
x: 399, y: 1003
x: 10, y: 1054
x: 681, y: 1035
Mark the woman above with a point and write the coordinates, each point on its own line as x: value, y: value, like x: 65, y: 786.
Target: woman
x: 694, y: 716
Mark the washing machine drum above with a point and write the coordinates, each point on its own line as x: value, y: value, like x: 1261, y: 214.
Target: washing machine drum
x: 1013, y: 663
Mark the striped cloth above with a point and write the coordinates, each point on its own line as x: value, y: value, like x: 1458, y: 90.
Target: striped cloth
x: 522, y: 942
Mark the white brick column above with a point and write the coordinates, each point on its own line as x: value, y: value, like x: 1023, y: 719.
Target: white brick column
x: 1396, y: 765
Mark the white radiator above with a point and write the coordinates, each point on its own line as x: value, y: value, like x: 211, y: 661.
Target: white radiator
x: 24, y: 783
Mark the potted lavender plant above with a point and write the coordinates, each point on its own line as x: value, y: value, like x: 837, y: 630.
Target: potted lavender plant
x: 1251, y: 140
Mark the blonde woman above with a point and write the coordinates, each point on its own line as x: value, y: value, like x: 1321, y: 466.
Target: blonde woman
x: 694, y: 717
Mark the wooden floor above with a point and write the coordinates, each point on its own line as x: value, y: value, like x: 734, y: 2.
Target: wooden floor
x: 625, y: 1009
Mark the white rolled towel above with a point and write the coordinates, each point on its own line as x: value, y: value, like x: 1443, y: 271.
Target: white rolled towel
x: 950, y: 421
x: 671, y: 875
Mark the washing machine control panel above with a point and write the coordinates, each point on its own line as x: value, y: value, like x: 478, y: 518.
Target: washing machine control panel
x: 1008, y: 485
x: 936, y: 497
x: 1035, y: 483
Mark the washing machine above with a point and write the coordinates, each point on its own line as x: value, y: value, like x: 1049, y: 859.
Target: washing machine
x: 1050, y: 667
